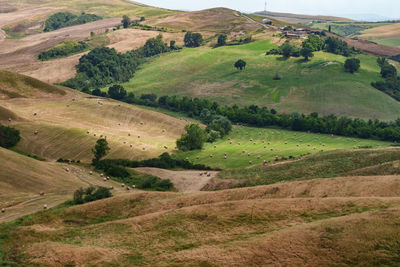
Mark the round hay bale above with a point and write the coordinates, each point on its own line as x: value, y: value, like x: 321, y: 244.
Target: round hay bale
x: 138, y: 136
x: 201, y: 174
x: 133, y: 186
x: 105, y: 179
x: 144, y: 149
x: 41, y: 194
x: 166, y: 147
x: 230, y: 142
x: 91, y: 172
x: 239, y: 143
x: 250, y: 162
x: 34, y: 114
x: 3, y: 210
x: 211, y: 156
x: 36, y: 132
x: 94, y: 134
x: 225, y: 157
x: 9, y: 119
x: 248, y: 154
x: 67, y: 169
x: 131, y: 145
x: 127, y: 189
x: 45, y: 206
x: 271, y: 149
x: 215, y: 146
x: 197, y: 157
x: 111, y: 187
x: 129, y: 134
x: 265, y: 146
x: 122, y: 185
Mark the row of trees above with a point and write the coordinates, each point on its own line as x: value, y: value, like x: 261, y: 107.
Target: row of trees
x: 262, y: 117
x: 66, y: 19
x: 312, y: 44
x: 391, y: 83
x: 103, y: 66
x: 64, y: 49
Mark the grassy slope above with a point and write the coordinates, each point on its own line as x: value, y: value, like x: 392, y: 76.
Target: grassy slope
x: 330, y: 164
x: 13, y: 85
x: 319, y: 85
x: 349, y: 29
x: 386, y: 35
x: 237, y: 159
x: 242, y: 227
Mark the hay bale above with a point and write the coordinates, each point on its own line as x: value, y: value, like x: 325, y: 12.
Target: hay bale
x: 9, y: 119
x: 94, y: 134
x: 265, y: 146
x: 138, y: 136
x: 122, y: 185
x: 111, y: 187
x: 45, y: 206
x: 129, y: 134
x: 131, y: 145
x: 230, y: 142
x: 36, y: 132
x: 239, y: 143
x: 271, y: 149
x: 41, y: 194
x: 67, y: 170
x: 144, y: 149
x: 133, y: 186
x: 248, y: 154
x: 197, y: 157
x: 211, y: 156
x: 105, y: 179
x: 225, y: 157
x: 3, y: 210
x: 250, y: 162
x: 34, y: 114
x: 215, y: 146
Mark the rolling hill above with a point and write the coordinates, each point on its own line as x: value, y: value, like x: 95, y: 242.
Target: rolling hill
x: 69, y: 123
x: 318, y: 222
x: 320, y: 85
x: 298, y: 18
x: 385, y: 35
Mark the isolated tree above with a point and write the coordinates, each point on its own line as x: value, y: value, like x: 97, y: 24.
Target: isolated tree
x: 194, y: 138
x: 330, y: 28
x: 222, y: 40
x: 240, y: 64
x: 117, y: 92
x: 126, y: 21
x: 100, y: 150
x: 352, y: 65
x: 220, y: 124
x: 193, y: 39
x: 306, y: 52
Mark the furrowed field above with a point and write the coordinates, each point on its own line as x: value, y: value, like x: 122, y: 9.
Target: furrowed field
x: 267, y: 144
x: 320, y: 85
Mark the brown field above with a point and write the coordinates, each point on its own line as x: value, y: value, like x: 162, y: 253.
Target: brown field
x: 23, y: 178
x: 211, y: 20
x: 256, y: 226
x: 297, y: 18
x: 383, y: 33
x: 370, y: 47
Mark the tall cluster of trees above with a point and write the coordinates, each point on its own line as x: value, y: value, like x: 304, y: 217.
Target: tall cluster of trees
x: 66, y: 19
x: 9, y: 137
x: 262, y: 117
x: 104, y: 66
x: 193, y: 39
x: 64, y: 49
x: 391, y: 83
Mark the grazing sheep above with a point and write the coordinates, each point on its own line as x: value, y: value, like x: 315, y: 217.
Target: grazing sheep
x: 314, y: 148
x: 45, y: 206
x: 323, y: 144
x: 3, y: 210
x: 166, y: 147
x: 101, y: 136
x: 265, y: 162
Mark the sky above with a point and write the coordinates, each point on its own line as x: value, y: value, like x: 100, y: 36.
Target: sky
x: 383, y: 8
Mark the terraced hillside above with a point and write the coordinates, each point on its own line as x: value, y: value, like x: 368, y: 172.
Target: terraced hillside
x: 68, y: 126
x: 320, y: 85
x: 322, y: 222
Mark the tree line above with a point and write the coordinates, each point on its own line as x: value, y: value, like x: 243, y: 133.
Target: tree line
x: 253, y: 115
x: 391, y: 83
x: 64, y: 49
x: 65, y: 19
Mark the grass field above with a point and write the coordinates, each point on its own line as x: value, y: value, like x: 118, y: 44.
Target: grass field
x: 326, y: 222
x: 386, y: 35
x: 320, y: 85
x: 336, y: 163
x: 274, y: 142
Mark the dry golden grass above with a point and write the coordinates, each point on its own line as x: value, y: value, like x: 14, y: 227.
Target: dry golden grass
x: 63, y: 124
x: 242, y: 227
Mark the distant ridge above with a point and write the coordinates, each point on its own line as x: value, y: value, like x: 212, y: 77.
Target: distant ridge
x: 297, y: 18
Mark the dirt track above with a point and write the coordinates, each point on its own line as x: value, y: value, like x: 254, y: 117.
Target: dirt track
x: 184, y: 181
